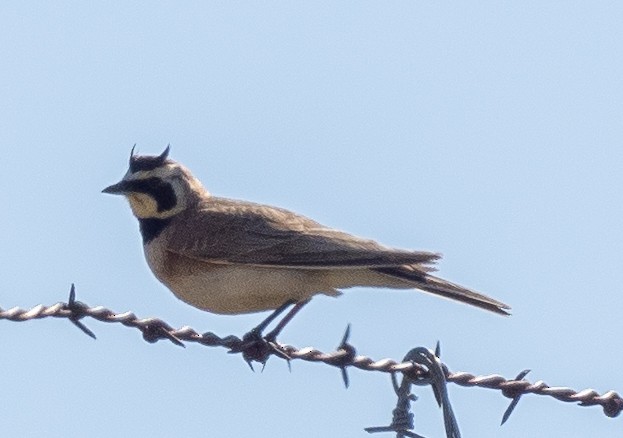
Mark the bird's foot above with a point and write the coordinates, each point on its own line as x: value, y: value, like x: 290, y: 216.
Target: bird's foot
x: 258, y: 348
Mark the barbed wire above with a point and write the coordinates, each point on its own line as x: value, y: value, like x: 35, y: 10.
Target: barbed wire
x: 345, y: 356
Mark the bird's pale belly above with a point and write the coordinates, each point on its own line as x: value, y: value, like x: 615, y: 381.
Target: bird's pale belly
x: 244, y: 289
x: 227, y: 288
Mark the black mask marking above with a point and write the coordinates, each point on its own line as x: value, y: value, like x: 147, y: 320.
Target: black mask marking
x: 161, y: 191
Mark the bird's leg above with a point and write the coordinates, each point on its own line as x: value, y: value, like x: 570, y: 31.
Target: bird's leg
x: 262, y: 325
x: 270, y: 337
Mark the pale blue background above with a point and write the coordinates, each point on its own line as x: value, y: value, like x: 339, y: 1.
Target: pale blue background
x: 489, y: 131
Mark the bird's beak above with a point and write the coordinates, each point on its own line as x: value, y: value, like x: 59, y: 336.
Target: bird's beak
x: 117, y: 189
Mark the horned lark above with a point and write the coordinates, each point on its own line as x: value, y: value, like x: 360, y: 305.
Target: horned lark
x: 228, y: 256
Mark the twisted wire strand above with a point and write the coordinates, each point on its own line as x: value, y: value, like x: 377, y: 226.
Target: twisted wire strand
x: 154, y: 329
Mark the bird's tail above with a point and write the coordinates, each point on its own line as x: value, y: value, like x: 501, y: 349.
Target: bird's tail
x: 438, y: 286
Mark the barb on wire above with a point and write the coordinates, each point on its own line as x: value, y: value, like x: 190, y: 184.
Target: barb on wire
x: 345, y: 359
x: 154, y: 329
x: 435, y: 376
x: 514, y: 395
x: 76, y: 309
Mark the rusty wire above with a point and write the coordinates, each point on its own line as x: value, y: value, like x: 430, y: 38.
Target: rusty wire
x: 154, y: 329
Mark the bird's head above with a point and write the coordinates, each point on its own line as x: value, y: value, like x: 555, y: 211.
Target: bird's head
x: 157, y: 187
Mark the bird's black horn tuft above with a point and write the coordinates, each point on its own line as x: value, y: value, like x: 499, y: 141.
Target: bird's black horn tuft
x: 132, y: 153
x: 163, y: 156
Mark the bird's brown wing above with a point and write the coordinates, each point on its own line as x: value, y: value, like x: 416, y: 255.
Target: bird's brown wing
x: 229, y: 231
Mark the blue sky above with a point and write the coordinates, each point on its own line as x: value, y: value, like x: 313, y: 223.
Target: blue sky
x: 489, y: 131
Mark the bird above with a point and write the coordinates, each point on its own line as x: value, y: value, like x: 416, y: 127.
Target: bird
x: 229, y: 256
